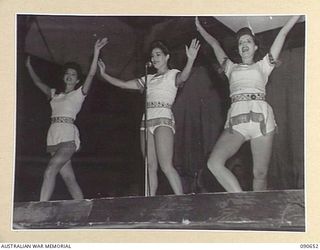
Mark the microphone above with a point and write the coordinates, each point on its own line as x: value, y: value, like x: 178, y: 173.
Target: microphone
x: 148, y: 64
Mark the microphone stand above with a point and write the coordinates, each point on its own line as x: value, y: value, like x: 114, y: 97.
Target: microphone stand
x: 146, y: 169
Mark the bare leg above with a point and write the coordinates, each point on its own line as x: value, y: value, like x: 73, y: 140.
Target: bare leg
x: 261, y: 148
x: 227, y: 145
x: 70, y: 180
x: 56, y: 162
x: 152, y: 162
x: 164, y: 139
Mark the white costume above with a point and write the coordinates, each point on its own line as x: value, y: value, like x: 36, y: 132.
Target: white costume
x: 65, y: 107
x: 249, y: 113
x: 161, y: 93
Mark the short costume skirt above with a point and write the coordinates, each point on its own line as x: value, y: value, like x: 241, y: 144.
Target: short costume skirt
x: 250, y: 115
x: 159, y: 115
x: 62, y: 134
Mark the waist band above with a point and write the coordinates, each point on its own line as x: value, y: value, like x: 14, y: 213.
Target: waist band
x: 158, y: 105
x: 248, y: 97
x: 62, y: 119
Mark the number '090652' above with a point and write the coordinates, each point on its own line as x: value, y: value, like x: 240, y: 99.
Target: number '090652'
x: 309, y: 246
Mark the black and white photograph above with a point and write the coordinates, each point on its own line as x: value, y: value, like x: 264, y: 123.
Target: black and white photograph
x: 153, y: 122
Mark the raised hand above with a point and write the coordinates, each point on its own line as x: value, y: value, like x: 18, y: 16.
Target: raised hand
x: 36, y: 79
x: 193, y: 49
x: 102, y: 66
x: 93, y: 68
x: 100, y: 43
x: 277, y: 44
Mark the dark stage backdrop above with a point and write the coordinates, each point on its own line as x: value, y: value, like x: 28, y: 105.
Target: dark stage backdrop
x: 110, y: 163
x: 286, y: 95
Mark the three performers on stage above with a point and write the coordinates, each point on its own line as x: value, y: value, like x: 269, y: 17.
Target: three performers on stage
x: 250, y: 117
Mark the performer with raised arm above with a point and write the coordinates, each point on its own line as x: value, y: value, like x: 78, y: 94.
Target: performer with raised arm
x: 63, y: 136
x: 250, y: 117
x: 161, y: 92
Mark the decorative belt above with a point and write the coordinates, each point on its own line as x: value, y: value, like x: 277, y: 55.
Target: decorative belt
x: 248, y: 97
x: 158, y: 105
x: 62, y: 119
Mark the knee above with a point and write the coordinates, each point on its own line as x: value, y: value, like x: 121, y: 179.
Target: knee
x: 69, y: 178
x: 166, y: 167
x: 153, y: 166
x: 50, y: 172
x: 215, y: 164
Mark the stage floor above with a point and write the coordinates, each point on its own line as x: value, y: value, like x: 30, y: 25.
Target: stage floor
x: 254, y: 211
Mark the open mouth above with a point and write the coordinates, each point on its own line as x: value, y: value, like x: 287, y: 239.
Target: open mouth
x: 69, y: 80
x: 245, y: 49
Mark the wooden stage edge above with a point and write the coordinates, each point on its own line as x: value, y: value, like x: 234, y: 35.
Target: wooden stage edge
x: 250, y: 211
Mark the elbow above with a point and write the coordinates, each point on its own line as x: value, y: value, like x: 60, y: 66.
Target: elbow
x: 181, y: 81
x: 184, y: 76
x: 120, y: 85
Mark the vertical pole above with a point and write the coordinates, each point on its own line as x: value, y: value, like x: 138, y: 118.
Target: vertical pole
x: 147, y: 181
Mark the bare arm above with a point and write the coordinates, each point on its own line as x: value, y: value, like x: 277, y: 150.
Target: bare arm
x: 219, y: 52
x: 131, y: 84
x: 36, y: 80
x: 93, y: 68
x: 279, y: 40
x: 191, y: 52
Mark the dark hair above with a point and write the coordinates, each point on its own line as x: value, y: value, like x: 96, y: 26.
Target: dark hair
x: 161, y: 45
x: 164, y: 48
x: 77, y: 68
x: 246, y: 31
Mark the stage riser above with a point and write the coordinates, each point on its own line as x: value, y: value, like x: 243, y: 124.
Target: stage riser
x: 272, y: 210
